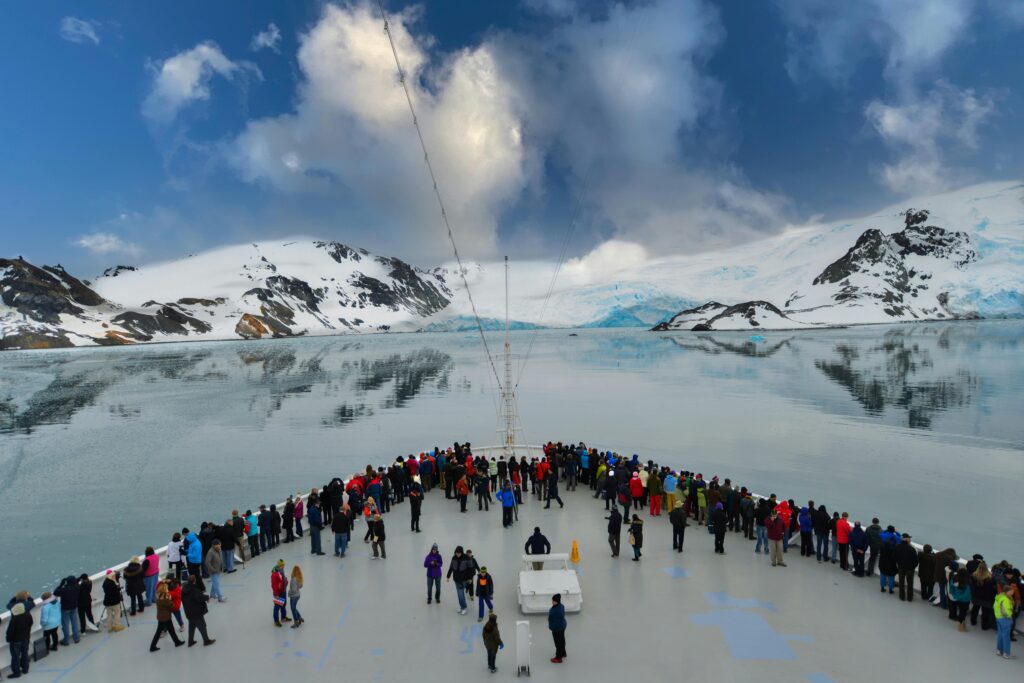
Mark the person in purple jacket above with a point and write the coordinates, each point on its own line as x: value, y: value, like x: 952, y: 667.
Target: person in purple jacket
x: 433, y: 562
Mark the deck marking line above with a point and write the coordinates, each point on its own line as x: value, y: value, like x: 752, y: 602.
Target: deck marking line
x: 82, y: 658
x: 676, y: 572
x: 330, y: 643
x: 819, y: 678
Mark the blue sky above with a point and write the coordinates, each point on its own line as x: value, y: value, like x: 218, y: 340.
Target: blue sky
x: 137, y: 132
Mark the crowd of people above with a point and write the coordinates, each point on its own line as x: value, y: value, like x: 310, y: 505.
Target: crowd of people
x: 989, y: 595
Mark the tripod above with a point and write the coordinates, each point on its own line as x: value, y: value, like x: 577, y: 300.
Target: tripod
x: 124, y: 612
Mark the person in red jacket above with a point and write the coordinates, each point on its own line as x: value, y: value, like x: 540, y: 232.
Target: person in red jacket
x: 279, y: 587
x: 636, y: 490
x: 776, y: 529
x: 843, y: 539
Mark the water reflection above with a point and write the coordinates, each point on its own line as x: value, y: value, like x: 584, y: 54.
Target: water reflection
x: 918, y: 371
x: 901, y: 373
x: 708, y: 344
x: 71, y: 382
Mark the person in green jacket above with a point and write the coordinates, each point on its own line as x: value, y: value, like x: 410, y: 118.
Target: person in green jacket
x: 1003, y: 608
x: 492, y: 641
x: 654, y: 491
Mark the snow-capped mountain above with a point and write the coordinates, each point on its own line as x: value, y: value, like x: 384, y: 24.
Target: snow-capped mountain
x: 954, y: 255
x: 265, y: 289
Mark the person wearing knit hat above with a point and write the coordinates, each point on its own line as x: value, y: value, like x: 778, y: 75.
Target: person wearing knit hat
x: 278, y: 588
x: 433, y: 563
x: 719, y: 524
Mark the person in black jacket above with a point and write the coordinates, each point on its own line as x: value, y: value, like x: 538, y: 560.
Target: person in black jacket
x: 85, y: 618
x: 677, y: 518
x: 19, y: 632
x: 113, y: 601
x: 288, y: 520
x: 341, y: 525
x: 194, y: 600
x: 537, y: 545
x: 906, y: 563
x: 416, y: 504
x: 552, y: 482
x: 636, y: 531
x: 135, y: 585
x: 484, y: 592
x: 719, y: 522
x: 614, y: 529
x: 377, y: 536
x: 67, y: 593
x: 461, y: 569
x: 821, y: 520
x: 275, y: 527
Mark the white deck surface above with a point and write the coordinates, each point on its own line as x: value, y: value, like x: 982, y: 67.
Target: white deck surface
x: 696, y: 616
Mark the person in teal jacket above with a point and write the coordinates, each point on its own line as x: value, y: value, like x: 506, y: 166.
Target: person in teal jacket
x: 557, y: 624
x: 959, y: 598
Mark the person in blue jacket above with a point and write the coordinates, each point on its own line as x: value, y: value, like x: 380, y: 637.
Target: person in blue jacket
x: 859, y: 543
x: 316, y: 524
x: 194, y: 555
x: 508, y: 502
x: 806, y: 532
x: 557, y: 624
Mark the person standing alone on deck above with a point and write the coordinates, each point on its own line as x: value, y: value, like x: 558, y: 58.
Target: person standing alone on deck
x: 537, y: 545
x: 677, y: 517
x: 492, y: 641
x: 614, y: 529
x: 433, y: 563
x: 557, y: 624
x: 636, y: 536
x: 776, y: 530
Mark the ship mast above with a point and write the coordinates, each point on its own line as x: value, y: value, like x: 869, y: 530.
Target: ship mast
x: 509, y: 413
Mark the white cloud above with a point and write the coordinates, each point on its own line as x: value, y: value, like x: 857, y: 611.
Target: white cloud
x: 77, y: 30
x: 107, y: 243
x: 831, y: 39
x: 919, y: 130
x: 924, y: 117
x: 352, y: 125
x: 269, y: 38
x: 185, y: 78
x: 606, y: 100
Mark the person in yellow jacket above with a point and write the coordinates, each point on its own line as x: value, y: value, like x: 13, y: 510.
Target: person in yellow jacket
x: 1003, y: 608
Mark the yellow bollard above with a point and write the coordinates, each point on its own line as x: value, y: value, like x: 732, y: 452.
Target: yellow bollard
x: 574, y: 557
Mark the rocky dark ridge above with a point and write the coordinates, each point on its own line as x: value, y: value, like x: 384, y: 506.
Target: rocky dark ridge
x: 43, y: 294
x: 117, y: 270
x: 341, y: 252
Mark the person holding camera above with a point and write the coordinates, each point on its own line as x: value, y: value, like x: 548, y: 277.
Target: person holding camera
x: 113, y: 601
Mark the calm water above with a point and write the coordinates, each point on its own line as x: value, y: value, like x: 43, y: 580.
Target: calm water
x: 105, y: 451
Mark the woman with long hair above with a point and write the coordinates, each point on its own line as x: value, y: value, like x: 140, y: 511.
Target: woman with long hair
x: 959, y: 597
x: 294, y: 593
x: 164, y: 609
x: 983, y: 595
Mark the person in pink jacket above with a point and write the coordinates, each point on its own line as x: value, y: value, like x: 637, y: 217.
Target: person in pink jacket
x: 300, y: 509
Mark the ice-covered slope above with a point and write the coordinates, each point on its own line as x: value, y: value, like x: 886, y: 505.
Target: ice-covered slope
x: 957, y: 254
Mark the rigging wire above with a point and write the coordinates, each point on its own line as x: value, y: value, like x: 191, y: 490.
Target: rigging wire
x: 437, y: 192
